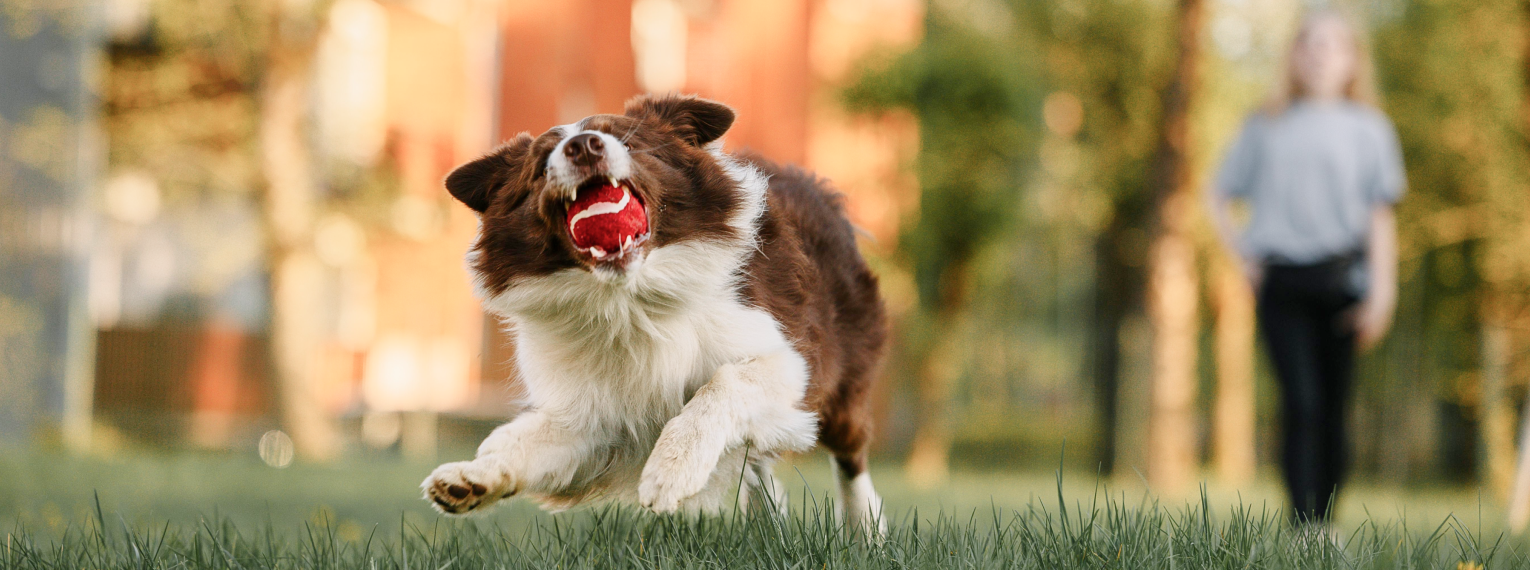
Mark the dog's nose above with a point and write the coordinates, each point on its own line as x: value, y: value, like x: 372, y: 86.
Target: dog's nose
x: 584, y: 149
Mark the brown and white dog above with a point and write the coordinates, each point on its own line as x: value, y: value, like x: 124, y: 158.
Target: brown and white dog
x: 681, y: 316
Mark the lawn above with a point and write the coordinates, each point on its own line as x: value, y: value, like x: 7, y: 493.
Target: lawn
x: 221, y: 511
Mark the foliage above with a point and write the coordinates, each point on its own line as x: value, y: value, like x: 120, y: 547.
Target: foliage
x: 973, y: 92
x: 180, y: 98
x: 1113, y: 56
x: 181, y: 103
x: 1453, y: 75
x: 972, y: 87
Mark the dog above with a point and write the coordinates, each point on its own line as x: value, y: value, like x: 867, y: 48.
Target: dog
x: 682, y: 317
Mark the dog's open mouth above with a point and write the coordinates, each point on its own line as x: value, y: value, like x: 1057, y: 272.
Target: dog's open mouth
x: 606, y: 219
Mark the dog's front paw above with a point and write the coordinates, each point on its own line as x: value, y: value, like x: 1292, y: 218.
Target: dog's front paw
x: 461, y: 487
x: 663, y: 490
x: 680, y: 466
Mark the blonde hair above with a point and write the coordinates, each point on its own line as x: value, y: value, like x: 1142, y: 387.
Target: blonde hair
x: 1362, y: 82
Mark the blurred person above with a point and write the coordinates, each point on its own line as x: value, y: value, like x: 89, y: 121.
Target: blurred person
x: 1319, y: 169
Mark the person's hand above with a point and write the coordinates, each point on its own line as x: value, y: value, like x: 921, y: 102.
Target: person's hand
x: 1254, y: 272
x: 1372, y: 318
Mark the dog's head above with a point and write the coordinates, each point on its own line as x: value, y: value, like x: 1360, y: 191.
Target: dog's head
x: 601, y: 194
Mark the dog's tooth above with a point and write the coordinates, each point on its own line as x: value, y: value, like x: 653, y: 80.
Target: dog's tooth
x: 613, y: 181
x: 597, y: 252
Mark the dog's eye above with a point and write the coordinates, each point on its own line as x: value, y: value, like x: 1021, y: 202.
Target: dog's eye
x: 540, y: 171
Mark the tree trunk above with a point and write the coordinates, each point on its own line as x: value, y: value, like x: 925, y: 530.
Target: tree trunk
x: 1233, y: 416
x: 1105, y: 347
x: 1172, y: 314
x: 1172, y: 289
x: 1519, y: 497
x: 290, y: 203
x: 1117, y: 302
x: 1497, y: 431
x: 942, y: 363
x: 928, y: 463
x: 1519, y: 487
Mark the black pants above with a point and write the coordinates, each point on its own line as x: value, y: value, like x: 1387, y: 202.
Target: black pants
x: 1303, y: 314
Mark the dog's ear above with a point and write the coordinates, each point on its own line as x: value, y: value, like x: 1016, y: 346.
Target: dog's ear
x: 696, y: 120
x: 476, y: 182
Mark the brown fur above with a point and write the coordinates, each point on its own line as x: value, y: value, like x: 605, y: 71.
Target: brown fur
x: 809, y: 275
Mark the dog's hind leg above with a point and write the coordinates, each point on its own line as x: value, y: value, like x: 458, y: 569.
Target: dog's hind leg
x: 761, y: 490
x: 846, y: 431
x: 862, y: 505
x: 753, y: 401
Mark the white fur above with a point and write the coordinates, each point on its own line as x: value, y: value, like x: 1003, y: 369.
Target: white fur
x: 863, y: 508
x: 761, y: 490
x: 747, y: 401
x: 615, y: 363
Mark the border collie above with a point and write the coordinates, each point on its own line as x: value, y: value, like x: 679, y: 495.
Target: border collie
x: 682, y: 317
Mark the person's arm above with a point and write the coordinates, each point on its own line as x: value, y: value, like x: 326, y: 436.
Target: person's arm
x: 1219, y: 205
x: 1238, y: 173
x: 1374, y: 315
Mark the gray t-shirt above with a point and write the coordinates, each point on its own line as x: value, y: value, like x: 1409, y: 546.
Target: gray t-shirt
x: 1311, y: 176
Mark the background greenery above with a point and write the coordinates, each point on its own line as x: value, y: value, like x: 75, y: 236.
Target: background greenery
x: 1041, y: 311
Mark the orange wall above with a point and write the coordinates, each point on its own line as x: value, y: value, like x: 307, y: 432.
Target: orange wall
x: 753, y: 55
x: 562, y: 61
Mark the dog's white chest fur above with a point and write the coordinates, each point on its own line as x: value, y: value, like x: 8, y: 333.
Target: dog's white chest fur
x: 628, y: 353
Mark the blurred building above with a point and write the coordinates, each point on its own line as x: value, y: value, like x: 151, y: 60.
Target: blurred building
x: 49, y: 154
x: 398, y: 94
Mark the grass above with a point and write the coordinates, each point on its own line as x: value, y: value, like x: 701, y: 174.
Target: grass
x: 198, y: 512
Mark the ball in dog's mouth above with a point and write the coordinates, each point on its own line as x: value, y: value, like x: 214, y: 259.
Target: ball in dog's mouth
x: 606, y: 219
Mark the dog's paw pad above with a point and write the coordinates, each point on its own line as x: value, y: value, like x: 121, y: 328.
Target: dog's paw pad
x: 459, y: 488
x: 460, y: 492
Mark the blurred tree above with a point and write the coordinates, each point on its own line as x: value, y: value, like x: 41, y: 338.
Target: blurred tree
x: 1110, y: 60
x: 1242, y: 60
x: 1455, y: 82
x: 180, y: 112
x: 1234, y: 413
x: 1113, y: 56
x: 973, y: 93
x: 211, y: 99
x: 1172, y: 296
x: 292, y: 200
x: 1499, y: 366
